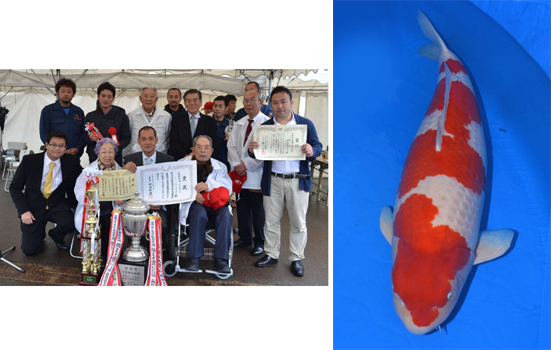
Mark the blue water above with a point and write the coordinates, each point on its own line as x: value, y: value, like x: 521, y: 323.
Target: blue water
x: 382, y: 89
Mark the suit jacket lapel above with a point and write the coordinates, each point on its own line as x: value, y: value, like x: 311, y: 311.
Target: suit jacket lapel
x: 39, y: 168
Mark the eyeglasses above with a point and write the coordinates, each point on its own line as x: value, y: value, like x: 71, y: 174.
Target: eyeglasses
x: 54, y: 145
x: 107, y: 153
x: 254, y: 100
x: 200, y: 148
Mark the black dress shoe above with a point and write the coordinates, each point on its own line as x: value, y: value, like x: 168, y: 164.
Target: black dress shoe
x: 193, y: 264
x: 240, y: 243
x: 61, y: 246
x: 265, y: 261
x: 297, y: 268
x: 257, y: 251
x: 221, y: 265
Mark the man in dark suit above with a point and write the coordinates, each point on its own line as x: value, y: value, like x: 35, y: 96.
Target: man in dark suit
x: 147, y: 139
x: 46, y: 178
x: 191, y: 124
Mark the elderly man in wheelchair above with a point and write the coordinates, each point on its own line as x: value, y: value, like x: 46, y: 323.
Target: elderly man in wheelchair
x: 213, y: 190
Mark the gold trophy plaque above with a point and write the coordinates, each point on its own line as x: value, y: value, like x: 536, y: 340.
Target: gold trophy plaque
x: 91, y: 262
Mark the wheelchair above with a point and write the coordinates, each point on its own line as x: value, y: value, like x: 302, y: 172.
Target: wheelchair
x: 177, y: 247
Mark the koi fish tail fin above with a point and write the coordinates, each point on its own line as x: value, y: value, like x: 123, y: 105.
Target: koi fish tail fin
x: 431, y: 51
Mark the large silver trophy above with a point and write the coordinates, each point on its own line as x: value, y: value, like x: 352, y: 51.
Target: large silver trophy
x: 134, y: 217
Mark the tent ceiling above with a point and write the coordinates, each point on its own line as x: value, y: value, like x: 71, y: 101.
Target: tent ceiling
x: 226, y: 81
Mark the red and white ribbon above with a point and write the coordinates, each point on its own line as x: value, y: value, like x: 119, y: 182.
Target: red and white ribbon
x: 113, y: 133
x: 155, y: 273
x: 111, y: 275
x: 91, y: 128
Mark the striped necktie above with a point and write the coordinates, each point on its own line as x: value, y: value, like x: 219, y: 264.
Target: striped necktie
x: 192, y: 124
x: 49, y: 181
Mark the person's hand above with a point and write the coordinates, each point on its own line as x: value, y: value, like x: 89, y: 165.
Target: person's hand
x: 201, y: 187
x: 92, y: 137
x: 240, y: 169
x: 253, y: 145
x: 130, y: 166
x: 155, y: 207
x: 119, y: 202
x: 73, y: 151
x: 306, y: 148
x: 199, y: 198
x: 27, y: 218
x: 190, y: 154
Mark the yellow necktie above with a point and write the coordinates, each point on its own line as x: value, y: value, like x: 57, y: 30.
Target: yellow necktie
x: 49, y: 180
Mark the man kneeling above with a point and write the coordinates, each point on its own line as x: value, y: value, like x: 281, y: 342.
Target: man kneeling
x: 213, y: 190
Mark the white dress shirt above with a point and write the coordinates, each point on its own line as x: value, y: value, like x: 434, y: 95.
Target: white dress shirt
x: 153, y: 158
x: 57, y: 178
x: 286, y: 166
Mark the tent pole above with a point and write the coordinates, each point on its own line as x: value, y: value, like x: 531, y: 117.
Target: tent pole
x: 270, y: 84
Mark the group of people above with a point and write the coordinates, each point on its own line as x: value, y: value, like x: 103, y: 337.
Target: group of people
x: 47, y: 185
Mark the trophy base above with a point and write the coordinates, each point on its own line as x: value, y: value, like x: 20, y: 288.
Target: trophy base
x: 135, y: 255
x: 133, y: 273
x: 88, y: 279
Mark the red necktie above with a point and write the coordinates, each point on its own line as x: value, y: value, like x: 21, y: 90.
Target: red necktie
x: 249, y: 129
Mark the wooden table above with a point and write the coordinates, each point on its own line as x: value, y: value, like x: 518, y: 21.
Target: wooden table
x: 321, y: 164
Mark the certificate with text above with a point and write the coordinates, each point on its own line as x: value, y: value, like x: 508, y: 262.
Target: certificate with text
x: 116, y: 184
x: 167, y: 183
x: 280, y: 142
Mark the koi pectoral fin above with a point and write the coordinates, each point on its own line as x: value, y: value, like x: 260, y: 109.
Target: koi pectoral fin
x: 493, y: 244
x: 385, y: 223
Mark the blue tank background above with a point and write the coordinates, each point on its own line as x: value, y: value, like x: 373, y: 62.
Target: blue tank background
x: 505, y: 47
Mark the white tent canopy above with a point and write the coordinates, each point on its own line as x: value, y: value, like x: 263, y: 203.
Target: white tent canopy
x: 26, y: 91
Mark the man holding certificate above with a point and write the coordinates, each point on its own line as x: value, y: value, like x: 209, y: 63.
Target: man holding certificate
x: 250, y: 209
x: 147, y: 139
x: 211, y: 203
x: 287, y: 181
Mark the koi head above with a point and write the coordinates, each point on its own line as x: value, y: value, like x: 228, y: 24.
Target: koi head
x: 426, y: 285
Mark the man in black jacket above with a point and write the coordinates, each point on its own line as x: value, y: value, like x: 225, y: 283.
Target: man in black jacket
x: 147, y: 139
x: 192, y: 124
x: 174, y: 107
x: 111, y: 122
x: 46, y: 178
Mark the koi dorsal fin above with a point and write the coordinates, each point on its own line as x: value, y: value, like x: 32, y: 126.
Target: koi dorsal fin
x: 440, y: 127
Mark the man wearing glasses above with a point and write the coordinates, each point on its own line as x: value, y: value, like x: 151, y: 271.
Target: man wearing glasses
x: 192, y: 124
x: 250, y: 209
x: 267, y: 110
x: 46, y: 178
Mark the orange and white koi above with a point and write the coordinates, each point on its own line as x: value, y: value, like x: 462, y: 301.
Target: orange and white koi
x: 434, y: 230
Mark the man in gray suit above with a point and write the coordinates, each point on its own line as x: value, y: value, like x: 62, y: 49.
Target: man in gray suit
x: 147, y: 139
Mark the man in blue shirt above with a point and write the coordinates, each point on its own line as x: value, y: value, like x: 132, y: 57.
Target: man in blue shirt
x: 65, y: 116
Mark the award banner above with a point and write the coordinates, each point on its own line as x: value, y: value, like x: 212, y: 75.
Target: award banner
x: 280, y: 142
x: 168, y: 183
x: 116, y: 184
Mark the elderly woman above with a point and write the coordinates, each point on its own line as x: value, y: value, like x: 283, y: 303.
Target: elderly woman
x: 106, y: 150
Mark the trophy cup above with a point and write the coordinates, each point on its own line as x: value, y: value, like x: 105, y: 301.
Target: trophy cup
x: 134, y: 268
x: 134, y: 217
x: 91, y: 263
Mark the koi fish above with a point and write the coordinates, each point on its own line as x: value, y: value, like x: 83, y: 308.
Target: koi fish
x: 434, y: 230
